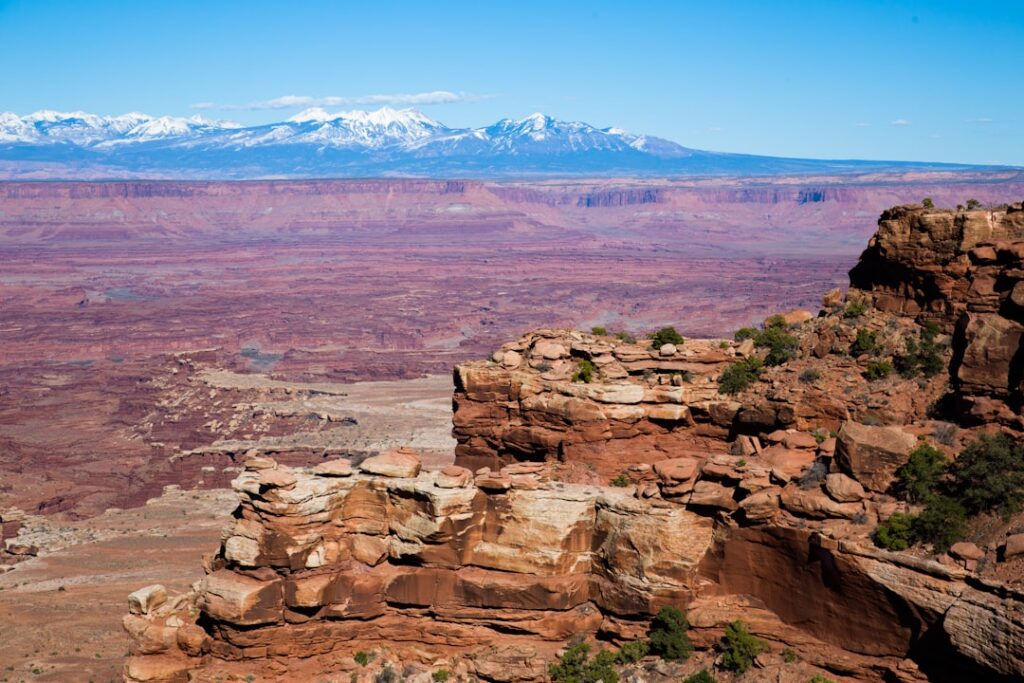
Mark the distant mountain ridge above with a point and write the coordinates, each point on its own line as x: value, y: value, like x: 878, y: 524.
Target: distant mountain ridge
x: 385, y: 142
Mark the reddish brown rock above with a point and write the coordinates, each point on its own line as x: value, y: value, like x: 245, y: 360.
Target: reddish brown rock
x: 871, y: 455
x: 397, y: 463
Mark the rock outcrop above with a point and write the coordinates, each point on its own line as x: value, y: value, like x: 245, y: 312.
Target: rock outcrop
x: 597, y: 479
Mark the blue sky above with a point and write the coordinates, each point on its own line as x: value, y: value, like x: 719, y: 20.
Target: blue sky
x: 934, y: 80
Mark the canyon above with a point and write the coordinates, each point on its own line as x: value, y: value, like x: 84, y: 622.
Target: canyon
x: 598, y: 478
x: 156, y: 335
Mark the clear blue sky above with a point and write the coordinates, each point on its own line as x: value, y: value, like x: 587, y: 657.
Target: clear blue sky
x: 922, y: 80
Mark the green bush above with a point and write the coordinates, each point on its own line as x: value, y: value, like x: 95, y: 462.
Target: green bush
x: 855, y: 309
x: 878, y: 369
x: 666, y: 335
x: 625, y: 337
x: 441, y: 675
x: 740, y: 375
x: 780, y: 344
x: 918, y: 477
x: 942, y: 523
x: 599, y: 331
x: 923, y: 355
x: 895, y: 533
x: 789, y: 656
x: 702, y: 676
x: 865, y: 343
x: 620, y: 481
x: 774, y: 322
x: 746, y: 333
x: 667, y: 634
x: 585, y: 372
x: 574, y: 666
x: 973, y: 204
x: 633, y: 651
x: 928, y: 203
x: 362, y: 659
x: 988, y: 476
x: 739, y: 648
x: 818, y: 678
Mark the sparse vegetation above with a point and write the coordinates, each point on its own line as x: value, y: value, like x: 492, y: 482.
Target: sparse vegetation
x: 780, y: 344
x: 441, y: 675
x: 810, y: 376
x: 362, y: 658
x: 878, y: 369
x: 633, y: 651
x: 818, y: 678
x: 620, y: 481
x: 746, y: 333
x: 855, y: 309
x: 739, y: 648
x: 788, y: 655
x: 988, y: 476
x: 667, y: 634
x: 865, y: 343
x: 895, y: 533
x: 702, y: 676
x: 666, y: 335
x: 973, y: 204
x: 740, y: 375
x: 585, y: 372
x: 923, y: 355
x: 574, y: 666
x: 599, y: 331
x: 625, y: 337
x: 919, y: 476
x: 386, y: 675
x: 928, y: 203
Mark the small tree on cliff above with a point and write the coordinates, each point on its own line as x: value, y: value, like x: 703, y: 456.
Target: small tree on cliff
x: 667, y: 634
x: 666, y: 335
x: 928, y: 203
x: 973, y: 204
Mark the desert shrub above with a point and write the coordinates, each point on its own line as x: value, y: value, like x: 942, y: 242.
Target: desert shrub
x: 942, y: 523
x: 575, y: 667
x: 780, y: 344
x: 621, y: 481
x: 585, y: 372
x: 626, y: 337
x: 633, y: 651
x: 866, y: 342
x: 895, y: 533
x: 386, y: 675
x: 878, y: 369
x: 746, y: 333
x: 702, y: 676
x: 988, y: 476
x: 739, y: 375
x: 945, y: 433
x: 666, y: 335
x: 818, y: 678
x: 815, y: 474
x: 923, y: 355
x: 973, y: 204
x: 928, y: 203
x: 723, y: 345
x: 775, y: 322
x: 918, y: 477
x: 362, y: 659
x: 599, y: 331
x: 667, y: 634
x: 810, y: 376
x: 739, y: 648
x: 441, y: 675
x: 855, y: 309
x: 788, y: 655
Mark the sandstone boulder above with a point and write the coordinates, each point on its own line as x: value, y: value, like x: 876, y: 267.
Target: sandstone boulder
x: 334, y: 468
x: 401, y: 462
x: 871, y: 455
x: 844, y: 489
x: 453, y: 477
x: 144, y: 600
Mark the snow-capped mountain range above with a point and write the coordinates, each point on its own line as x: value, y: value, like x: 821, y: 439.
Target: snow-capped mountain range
x: 386, y: 142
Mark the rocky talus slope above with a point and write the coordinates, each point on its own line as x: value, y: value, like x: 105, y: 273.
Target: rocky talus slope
x: 597, y: 480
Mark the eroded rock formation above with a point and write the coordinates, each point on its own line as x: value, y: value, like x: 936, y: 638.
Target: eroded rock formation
x: 597, y: 480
